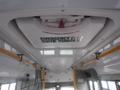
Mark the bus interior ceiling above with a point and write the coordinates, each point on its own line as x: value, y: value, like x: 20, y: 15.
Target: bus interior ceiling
x: 59, y: 44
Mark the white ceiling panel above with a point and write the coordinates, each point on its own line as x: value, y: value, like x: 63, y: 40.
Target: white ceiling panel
x: 32, y: 4
x: 57, y: 64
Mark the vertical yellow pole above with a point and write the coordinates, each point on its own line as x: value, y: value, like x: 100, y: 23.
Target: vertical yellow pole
x: 42, y: 78
x: 74, y: 78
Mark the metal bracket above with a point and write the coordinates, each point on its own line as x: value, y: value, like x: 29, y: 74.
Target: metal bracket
x: 97, y: 54
x: 20, y: 56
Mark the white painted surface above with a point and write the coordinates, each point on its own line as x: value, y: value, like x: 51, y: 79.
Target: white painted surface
x: 83, y: 86
x: 64, y: 76
x: 10, y: 68
x: 16, y: 4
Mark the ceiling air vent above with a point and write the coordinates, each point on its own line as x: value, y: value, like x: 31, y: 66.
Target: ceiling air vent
x: 63, y: 31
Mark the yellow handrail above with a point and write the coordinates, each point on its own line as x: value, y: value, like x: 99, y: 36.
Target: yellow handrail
x: 109, y: 52
x: 15, y: 56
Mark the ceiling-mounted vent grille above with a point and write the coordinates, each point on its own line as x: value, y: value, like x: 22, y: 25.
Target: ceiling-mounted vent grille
x: 59, y: 39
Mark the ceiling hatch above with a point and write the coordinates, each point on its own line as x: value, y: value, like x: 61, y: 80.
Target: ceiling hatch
x: 71, y: 31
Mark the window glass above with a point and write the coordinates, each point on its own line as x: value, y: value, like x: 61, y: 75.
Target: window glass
x: 14, y: 50
x: 12, y: 86
x: 104, y: 85
x: 119, y: 83
x: 67, y: 88
x: 116, y: 41
x: 7, y: 46
x: 96, y: 86
x: 91, y: 85
x: 107, y: 46
x: 112, y: 85
x: 101, y: 50
x: 4, y: 87
x: 50, y: 89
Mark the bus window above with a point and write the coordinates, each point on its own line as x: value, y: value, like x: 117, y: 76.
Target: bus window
x: 67, y: 88
x: 5, y: 87
x: 91, y: 85
x: 112, y: 85
x: 104, y: 85
x: 96, y: 86
x: 50, y: 89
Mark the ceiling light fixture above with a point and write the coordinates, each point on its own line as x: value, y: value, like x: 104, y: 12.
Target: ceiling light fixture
x: 66, y: 52
x: 47, y: 52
